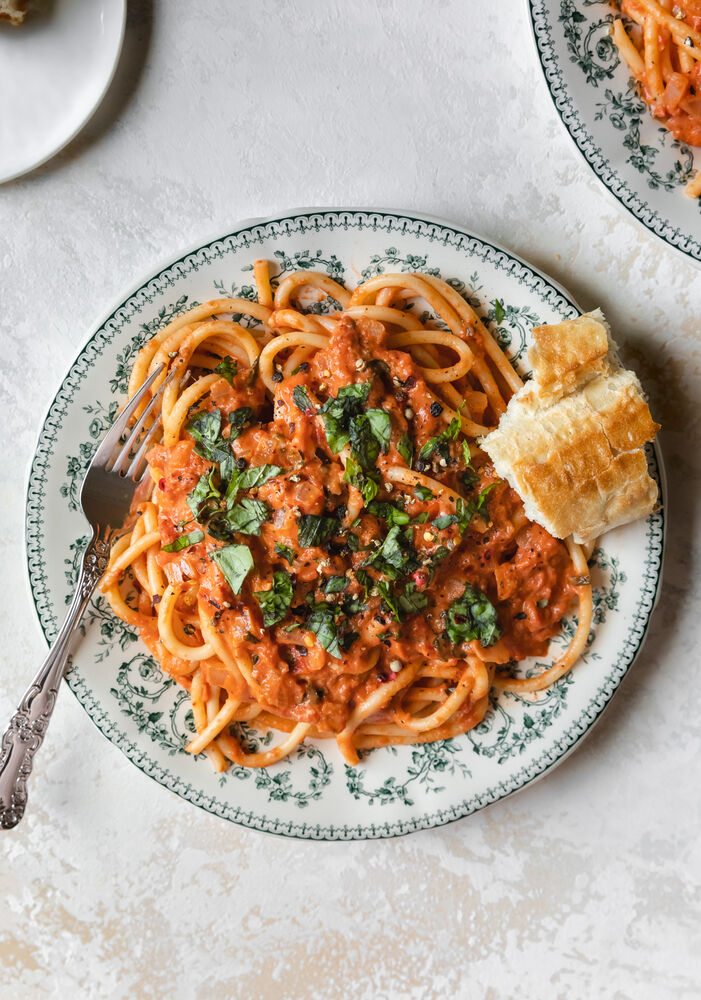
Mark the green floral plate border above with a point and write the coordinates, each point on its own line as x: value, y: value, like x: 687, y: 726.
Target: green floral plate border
x: 313, y: 794
x: 637, y: 160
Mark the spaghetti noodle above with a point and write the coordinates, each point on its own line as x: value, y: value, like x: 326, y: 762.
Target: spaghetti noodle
x: 324, y: 550
x: 662, y: 48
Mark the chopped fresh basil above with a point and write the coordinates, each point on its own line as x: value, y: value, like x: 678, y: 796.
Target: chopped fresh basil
x: 368, y: 482
x: 238, y: 419
x: 334, y: 584
x: 338, y: 412
x: 444, y: 521
x: 499, y: 312
x: 406, y: 449
x: 438, y: 556
x: 322, y: 622
x: 314, y: 529
x: 365, y: 446
x: 472, y: 616
x: 353, y: 542
x: 248, y: 479
x: 302, y: 400
x: 466, y: 509
x: 227, y: 368
x: 247, y: 516
x: 275, y: 603
x: 204, y: 498
x: 441, y: 442
x: 235, y: 562
x: 381, y: 426
x: 205, y: 427
x: 412, y: 600
x: 396, y: 556
x: 388, y: 512
x: 423, y: 492
x: 184, y: 541
x: 285, y: 551
x: 385, y: 592
x: 352, y: 605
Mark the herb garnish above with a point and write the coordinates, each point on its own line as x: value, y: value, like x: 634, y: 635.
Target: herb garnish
x: 472, y: 616
x: 285, y: 551
x: 235, y: 562
x: 250, y: 478
x: 406, y: 449
x: 302, y: 400
x: 339, y: 411
x: 322, y: 622
x: 334, y: 584
x: 441, y: 442
x: 275, y: 603
x: 227, y: 368
x: 238, y: 419
x: 314, y: 529
x: 204, y: 499
x: 184, y: 542
x: 367, y: 481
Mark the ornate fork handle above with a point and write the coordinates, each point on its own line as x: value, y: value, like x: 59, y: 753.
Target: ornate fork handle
x: 28, y: 725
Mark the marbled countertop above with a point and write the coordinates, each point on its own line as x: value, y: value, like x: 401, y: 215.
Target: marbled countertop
x: 585, y: 885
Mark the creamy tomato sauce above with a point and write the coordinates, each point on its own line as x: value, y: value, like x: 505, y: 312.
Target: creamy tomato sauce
x: 523, y: 572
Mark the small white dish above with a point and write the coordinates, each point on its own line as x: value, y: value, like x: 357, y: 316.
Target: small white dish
x: 54, y: 71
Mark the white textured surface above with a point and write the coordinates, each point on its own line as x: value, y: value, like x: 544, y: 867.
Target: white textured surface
x: 586, y: 885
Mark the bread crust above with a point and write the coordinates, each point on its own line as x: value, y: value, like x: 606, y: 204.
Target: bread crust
x: 13, y: 11
x: 571, y: 441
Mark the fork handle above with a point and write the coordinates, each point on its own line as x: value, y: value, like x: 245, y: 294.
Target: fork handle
x: 27, y: 728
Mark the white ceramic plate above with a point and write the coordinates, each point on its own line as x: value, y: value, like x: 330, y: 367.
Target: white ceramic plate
x: 54, y: 71
x: 636, y: 159
x: 313, y: 794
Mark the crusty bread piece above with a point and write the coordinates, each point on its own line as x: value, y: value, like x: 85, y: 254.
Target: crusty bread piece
x: 571, y: 441
x: 13, y: 10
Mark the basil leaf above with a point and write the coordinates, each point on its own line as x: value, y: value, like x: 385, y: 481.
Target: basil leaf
x: 352, y: 605
x: 466, y: 509
x: 472, y: 616
x: 438, y: 556
x: 441, y: 441
x: 275, y: 603
x: 381, y: 426
x: 353, y: 542
x: 249, y: 479
x: 314, y: 529
x: 367, y: 482
x: 423, y: 492
x: 205, y: 428
x: 322, y: 622
x: 338, y: 412
x: 238, y: 419
x: 184, y: 542
x: 203, y: 492
x: 499, y: 312
x: 247, y: 516
x: 235, y: 562
x: 334, y: 584
x: 444, y: 521
x: 227, y: 368
x: 285, y: 551
x: 385, y: 592
x: 365, y: 447
x: 389, y: 513
x: 302, y: 400
x: 396, y: 556
x: 412, y: 600
x: 406, y: 449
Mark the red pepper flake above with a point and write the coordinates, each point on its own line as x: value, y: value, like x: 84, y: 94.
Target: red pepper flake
x: 162, y: 484
x: 420, y: 578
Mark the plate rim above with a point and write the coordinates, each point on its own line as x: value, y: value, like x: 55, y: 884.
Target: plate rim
x: 172, y: 781
x: 591, y: 151
x: 55, y: 149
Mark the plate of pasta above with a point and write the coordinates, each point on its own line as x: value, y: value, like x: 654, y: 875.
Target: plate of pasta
x: 327, y: 616
x: 624, y: 76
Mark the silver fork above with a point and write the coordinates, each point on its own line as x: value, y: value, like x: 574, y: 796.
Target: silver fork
x: 105, y: 497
